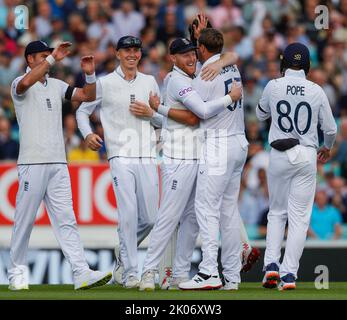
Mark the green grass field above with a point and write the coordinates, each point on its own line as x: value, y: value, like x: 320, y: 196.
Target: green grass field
x: 247, y: 291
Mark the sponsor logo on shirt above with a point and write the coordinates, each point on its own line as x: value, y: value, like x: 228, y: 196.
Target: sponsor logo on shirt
x: 185, y: 91
x: 26, y: 185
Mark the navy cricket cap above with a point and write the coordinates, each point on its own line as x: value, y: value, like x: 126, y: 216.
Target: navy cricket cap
x: 296, y: 55
x: 181, y: 45
x: 37, y: 46
x: 128, y: 42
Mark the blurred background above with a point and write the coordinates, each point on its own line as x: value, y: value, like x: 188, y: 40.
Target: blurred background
x: 257, y: 30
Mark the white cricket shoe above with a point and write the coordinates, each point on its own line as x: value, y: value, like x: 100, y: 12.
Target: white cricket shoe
x: 117, y: 272
x: 175, y: 281
x: 131, y: 283
x: 230, y: 285
x: 147, y: 281
x: 19, y: 278
x: 92, y: 279
x: 202, y: 282
x: 166, y: 283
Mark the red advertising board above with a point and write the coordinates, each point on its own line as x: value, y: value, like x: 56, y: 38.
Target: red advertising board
x: 93, y: 198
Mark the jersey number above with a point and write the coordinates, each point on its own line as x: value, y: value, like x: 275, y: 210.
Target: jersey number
x: 227, y: 84
x: 285, y: 115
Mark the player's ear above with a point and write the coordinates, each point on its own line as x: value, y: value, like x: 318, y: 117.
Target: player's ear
x: 117, y: 54
x: 173, y: 58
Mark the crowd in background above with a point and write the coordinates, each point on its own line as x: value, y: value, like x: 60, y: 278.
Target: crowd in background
x: 257, y: 30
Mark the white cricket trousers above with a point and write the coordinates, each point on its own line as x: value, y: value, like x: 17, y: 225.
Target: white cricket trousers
x: 292, y: 183
x: 50, y: 183
x: 176, y: 207
x: 216, y: 204
x: 135, y: 183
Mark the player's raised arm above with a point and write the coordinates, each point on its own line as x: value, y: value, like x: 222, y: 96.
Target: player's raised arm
x: 42, y: 61
x: 88, y: 92
x: 212, y: 70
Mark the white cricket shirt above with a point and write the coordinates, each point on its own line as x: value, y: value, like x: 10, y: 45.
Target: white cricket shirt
x: 125, y: 134
x: 39, y: 116
x: 296, y: 106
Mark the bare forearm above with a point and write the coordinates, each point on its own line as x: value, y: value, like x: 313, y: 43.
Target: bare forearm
x: 33, y: 76
x: 228, y: 58
x: 183, y: 116
x: 89, y: 90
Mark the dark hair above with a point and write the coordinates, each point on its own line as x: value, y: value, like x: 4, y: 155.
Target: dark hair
x: 212, y: 39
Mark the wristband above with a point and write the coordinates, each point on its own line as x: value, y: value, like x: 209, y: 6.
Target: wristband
x: 163, y: 110
x: 90, y: 78
x: 50, y: 59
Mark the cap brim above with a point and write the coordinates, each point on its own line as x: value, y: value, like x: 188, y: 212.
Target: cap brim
x: 189, y: 48
x: 129, y: 46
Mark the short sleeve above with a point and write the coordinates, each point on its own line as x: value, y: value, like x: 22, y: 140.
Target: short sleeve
x: 14, y: 93
x: 63, y: 87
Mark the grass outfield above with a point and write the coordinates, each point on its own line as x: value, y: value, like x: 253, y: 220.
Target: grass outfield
x: 247, y: 291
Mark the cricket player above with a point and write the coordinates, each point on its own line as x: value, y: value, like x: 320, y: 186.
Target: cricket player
x: 296, y: 106
x: 131, y: 147
x: 181, y: 152
x: 249, y: 255
x: 223, y: 156
x: 42, y: 168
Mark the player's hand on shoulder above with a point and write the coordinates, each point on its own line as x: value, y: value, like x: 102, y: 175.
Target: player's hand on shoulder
x: 236, y: 91
x: 94, y: 142
x: 212, y: 70
x: 154, y: 101
x: 87, y: 64
x: 140, y: 109
x: 323, y: 154
x: 61, y: 51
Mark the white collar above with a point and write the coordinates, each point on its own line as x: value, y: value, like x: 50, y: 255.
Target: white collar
x: 295, y: 73
x: 180, y: 71
x: 120, y: 72
x: 211, y: 59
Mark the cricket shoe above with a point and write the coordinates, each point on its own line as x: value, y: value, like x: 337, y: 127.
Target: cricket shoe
x: 165, y: 284
x: 19, y: 278
x: 249, y: 257
x: 287, y: 282
x: 271, y: 276
x: 92, y: 279
x: 202, y: 281
x: 147, y: 282
x: 131, y: 283
x: 230, y: 285
x: 175, y: 282
x: 117, y: 272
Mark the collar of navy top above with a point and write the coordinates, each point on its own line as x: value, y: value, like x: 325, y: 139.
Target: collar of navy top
x: 295, y: 73
x: 120, y: 72
x: 177, y: 69
x: 28, y: 69
x: 211, y: 59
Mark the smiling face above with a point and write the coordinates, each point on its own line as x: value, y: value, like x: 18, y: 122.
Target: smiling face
x: 129, y: 57
x: 185, y: 61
